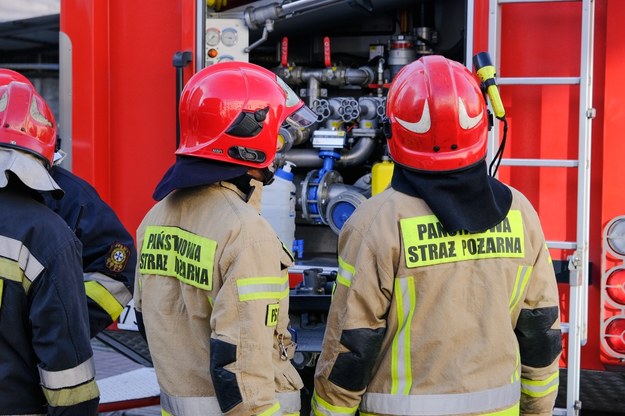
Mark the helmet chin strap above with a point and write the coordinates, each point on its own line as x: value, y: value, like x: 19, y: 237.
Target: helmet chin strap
x: 268, y: 175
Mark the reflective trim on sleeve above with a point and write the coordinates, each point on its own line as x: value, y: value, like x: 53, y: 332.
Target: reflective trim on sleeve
x: 290, y: 402
x: 15, y: 253
x: 401, y: 364
x: 511, y: 411
x: 73, y: 395
x: 266, y: 288
x: 209, y: 406
x: 80, y: 374
x: 98, y: 293
x: 522, y: 277
x: 516, y: 375
x: 322, y: 408
x: 190, y: 406
x: 540, y: 388
x: 346, y: 273
x: 273, y: 410
x: 116, y: 288
x: 442, y: 404
x: 1, y: 290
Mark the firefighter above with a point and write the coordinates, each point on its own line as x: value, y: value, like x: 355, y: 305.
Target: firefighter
x: 212, y: 284
x: 446, y: 299
x: 108, y: 250
x: 46, y: 360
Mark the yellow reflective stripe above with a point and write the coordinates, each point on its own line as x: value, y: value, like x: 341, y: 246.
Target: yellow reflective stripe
x: 165, y: 413
x: 401, y: 367
x: 345, y: 273
x: 322, y: 408
x: 517, y: 367
x: 14, y: 250
x: 540, y: 388
x: 272, y: 410
x: 1, y: 290
x: 72, y: 396
x: 104, y: 299
x: 174, y: 252
x: 548, y: 254
x: 256, y: 288
x: 522, y: 277
x: 426, y: 242
x: 511, y: 411
x: 10, y: 269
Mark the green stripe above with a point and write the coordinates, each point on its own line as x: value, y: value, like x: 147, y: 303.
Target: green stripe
x: 345, y: 273
x: 401, y: 367
x: 322, y: 408
x: 271, y: 411
x: 520, y: 283
x: 540, y: 388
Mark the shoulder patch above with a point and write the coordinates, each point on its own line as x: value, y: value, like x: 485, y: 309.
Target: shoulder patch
x: 117, y: 257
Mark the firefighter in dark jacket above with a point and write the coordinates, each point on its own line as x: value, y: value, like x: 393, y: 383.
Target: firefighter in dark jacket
x: 446, y: 301
x: 46, y: 361
x: 108, y: 251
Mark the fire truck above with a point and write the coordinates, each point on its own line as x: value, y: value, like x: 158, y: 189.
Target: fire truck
x: 558, y: 66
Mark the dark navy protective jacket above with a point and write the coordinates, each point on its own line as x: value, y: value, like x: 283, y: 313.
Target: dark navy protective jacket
x: 46, y: 360
x: 108, y: 251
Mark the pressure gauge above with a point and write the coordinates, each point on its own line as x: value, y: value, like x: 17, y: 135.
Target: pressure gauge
x: 212, y: 36
x: 229, y: 36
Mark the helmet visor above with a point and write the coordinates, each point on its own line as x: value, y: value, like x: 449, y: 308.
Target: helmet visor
x: 303, y: 117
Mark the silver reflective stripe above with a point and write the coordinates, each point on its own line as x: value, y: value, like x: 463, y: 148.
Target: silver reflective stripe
x: 55, y: 380
x: 190, y: 406
x: 253, y: 288
x: 14, y: 250
x: 401, y: 365
x: 289, y: 402
x: 442, y: 404
x: 209, y: 406
x: 116, y: 288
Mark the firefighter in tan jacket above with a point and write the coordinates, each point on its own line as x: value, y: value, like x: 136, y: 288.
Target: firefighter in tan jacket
x: 212, y: 284
x: 446, y: 300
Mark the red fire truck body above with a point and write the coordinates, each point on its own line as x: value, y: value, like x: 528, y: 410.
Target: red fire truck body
x: 118, y: 104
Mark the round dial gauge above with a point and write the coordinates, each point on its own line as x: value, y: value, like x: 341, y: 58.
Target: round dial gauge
x: 229, y: 36
x: 212, y: 36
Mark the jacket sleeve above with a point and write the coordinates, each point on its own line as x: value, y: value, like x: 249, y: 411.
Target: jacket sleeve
x: 356, y: 326
x: 60, y: 336
x: 539, y: 336
x: 109, y: 258
x: 242, y: 340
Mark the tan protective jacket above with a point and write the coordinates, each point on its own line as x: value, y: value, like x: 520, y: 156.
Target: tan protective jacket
x: 212, y: 285
x: 423, y: 322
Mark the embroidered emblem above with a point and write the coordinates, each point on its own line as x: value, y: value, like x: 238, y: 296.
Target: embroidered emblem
x: 117, y: 257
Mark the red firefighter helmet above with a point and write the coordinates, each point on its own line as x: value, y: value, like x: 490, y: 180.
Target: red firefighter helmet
x: 232, y: 112
x: 439, y: 121
x: 7, y: 76
x: 26, y: 121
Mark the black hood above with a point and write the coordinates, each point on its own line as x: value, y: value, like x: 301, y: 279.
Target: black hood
x: 189, y: 172
x: 469, y: 199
